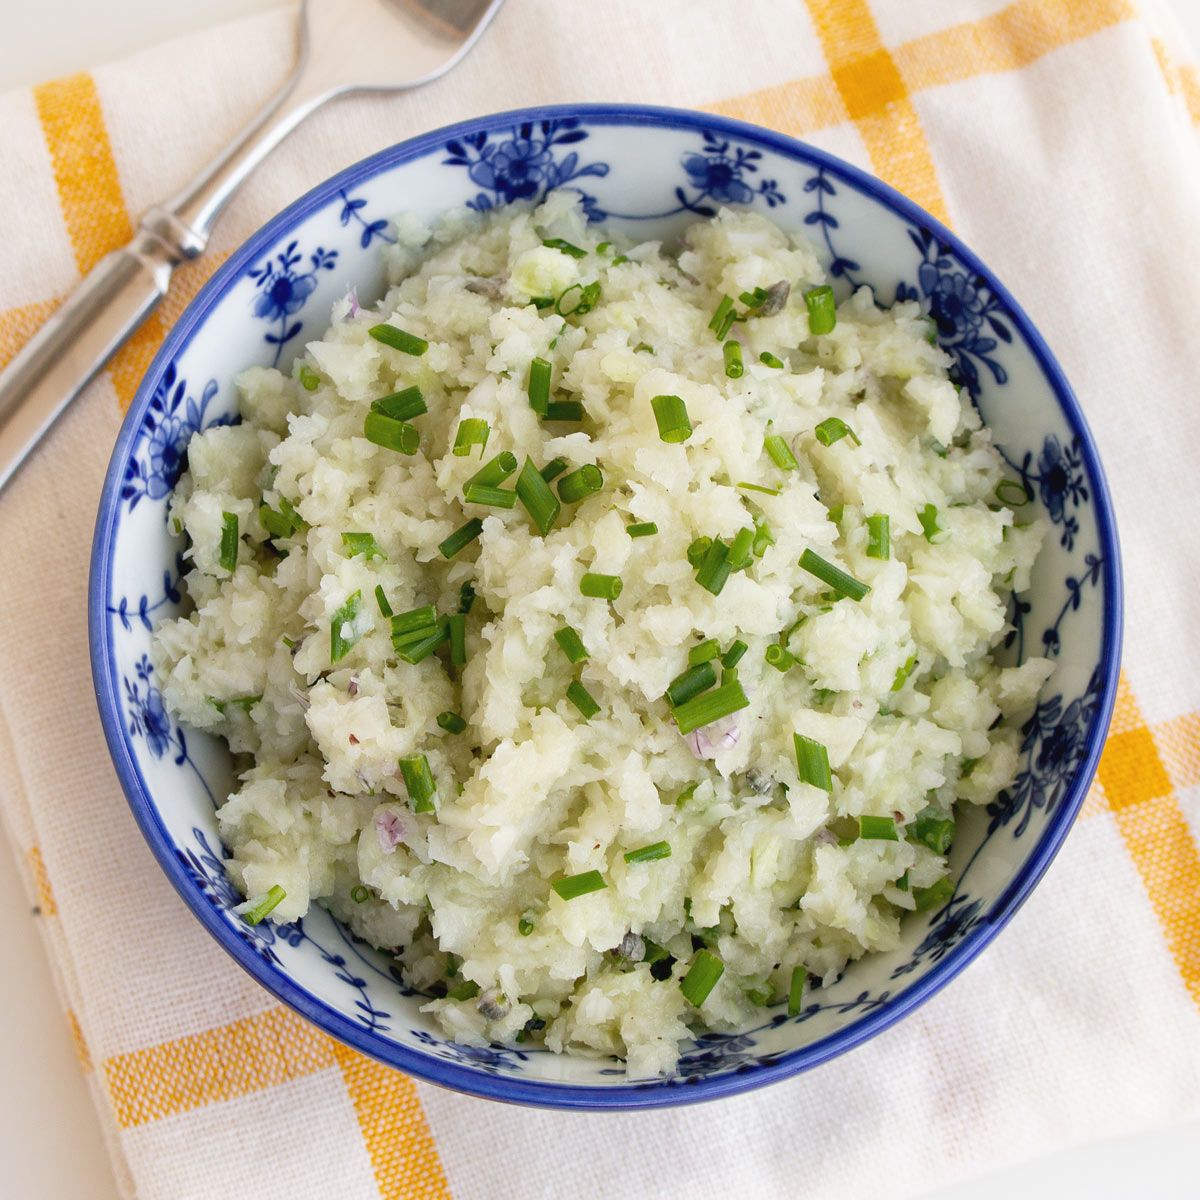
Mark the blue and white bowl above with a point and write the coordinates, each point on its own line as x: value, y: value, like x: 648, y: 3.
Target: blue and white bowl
x: 649, y: 172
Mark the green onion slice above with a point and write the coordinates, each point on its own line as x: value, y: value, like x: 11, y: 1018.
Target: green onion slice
x: 698, y: 549
x: 649, y: 853
x: 582, y: 699
x: 705, y: 652
x: 464, y: 535
x: 733, y: 359
x: 309, y: 379
x: 385, y: 609
x: 780, y: 658
x: 690, y: 683
x: 602, y: 587
x: 780, y: 452
x: 672, y: 417
x: 418, y: 779
x: 796, y: 991
x: 566, y: 247
x: 580, y: 484
x: 451, y: 722
x: 701, y: 978
x: 359, y: 894
x: 553, y: 469
x: 903, y: 672
x: 230, y: 541
x: 768, y: 359
x: 833, y: 429
x: 833, y: 576
x: 641, y: 529
x: 934, y: 896
x: 822, y: 311
x: 493, y: 497
x: 401, y: 406
x: 391, y: 434
x: 714, y: 569
x: 539, y: 385
x: 928, y: 516
x: 933, y: 829
x: 539, y: 501
x: 733, y: 655
x: 1012, y: 493
x: 571, y: 886
x: 398, y: 339
x: 472, y: 431
x: 723, y: 313
x: 711, y: 706
x: 758, y: 487
x: 346, y: 628
x: 571, y: 644
x: 525, y: 926
x: 879, y: 536
x: 740, y: 549
x: 259, y: 910
x: 878, y: 829
x: 495, y: 471
x: 812, y: 762
x: 364, y: 544
x: 564, y: 410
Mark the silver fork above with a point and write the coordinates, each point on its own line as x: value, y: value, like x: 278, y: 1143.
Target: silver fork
x: 342, y: 46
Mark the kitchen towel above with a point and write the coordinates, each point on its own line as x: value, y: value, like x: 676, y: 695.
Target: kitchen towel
x: 1060, y: 139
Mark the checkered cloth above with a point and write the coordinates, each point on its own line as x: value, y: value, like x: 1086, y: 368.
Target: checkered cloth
x: 1059, y: 138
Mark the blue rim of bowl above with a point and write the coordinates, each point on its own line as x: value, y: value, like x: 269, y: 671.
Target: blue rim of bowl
x: 469, y: 1079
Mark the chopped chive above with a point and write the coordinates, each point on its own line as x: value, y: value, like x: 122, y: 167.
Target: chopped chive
x: 836, y: 513
x: 762, y: 535
x: 780, y: 452
x: 796, y: 991
x: 753, y: 299
x: 878, y: 829
x: 758, y: 487
x: 705, y: 652
x: 258, y: 911
x: 495, y: 471
x: 418, y: 649
x: 1012, y: 493
x: 582, y: 699
x: 407, y: 343
x: 580, y: 483
x: 230, y: 541
x: 768, y: 359
x: 540, y: 302
x: 415, y: 620
x: 729, y: 675
x: 309, y: 379
x: 879, y: 536
x: 466, y: 597
x: 779, y: 657
x: 903, y: 672
x: 698, y: 549
x: 571, y: 886
x: 539, y: 385
x: 649, y: 853
x: 701, y: 978
x: 553, y: 469
x: 472, y: 431
x: 587, y: 299
x: 812, y: 762
x: 571, y: 644
x: 539, y: 501
x: 934, y: 896
x: 928, y: 516
x: 282, y: 524
x: 641, y: 529
x: 390, y: 434
x: 565, y: 246
x: 714, y: 569
x: 525, y: 926
x: 364, y: 544
x: 833, y: 429
x: 836, y: 578
x: 493, y: 497
x: 345, y: 628
x: 722, y: 330
x: 822, y: 312
x: 418, y: 779
x: 724, y: 311
x: 733, y: 655
x: 359, y: 894
x: 901, y: 884
x: 740, y: 548
x: 401, y: 406
x: 733, y: 359
x: 710, y: 706
x: 468, y: 989
x: 464, y: 535
x: 564, y: 410
x: 691, y: 683
x: 602, y: 587
x: 451, y: 722
x: 457, y: 625
x: 385, y: 609
x: 933, y: 829
x: 672, y: 417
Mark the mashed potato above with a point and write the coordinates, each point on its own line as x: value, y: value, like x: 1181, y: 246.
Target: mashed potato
x: 478, y: 765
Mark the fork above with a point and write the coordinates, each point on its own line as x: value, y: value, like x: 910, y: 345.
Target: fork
x: 342, y: 46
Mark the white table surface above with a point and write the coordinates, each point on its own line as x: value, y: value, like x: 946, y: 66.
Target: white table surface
x: 51, y: 1147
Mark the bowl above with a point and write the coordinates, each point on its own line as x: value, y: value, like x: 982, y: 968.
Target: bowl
x: 648, y: 171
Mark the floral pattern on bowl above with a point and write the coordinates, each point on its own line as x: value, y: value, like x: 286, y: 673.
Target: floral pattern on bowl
x: 649, y: 172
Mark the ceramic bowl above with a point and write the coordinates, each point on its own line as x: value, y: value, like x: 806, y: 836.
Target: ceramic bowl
x: 649, y: 172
